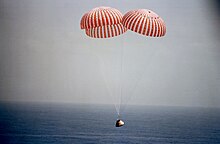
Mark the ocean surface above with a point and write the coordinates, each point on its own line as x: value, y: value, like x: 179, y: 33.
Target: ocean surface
x: 47, y: 123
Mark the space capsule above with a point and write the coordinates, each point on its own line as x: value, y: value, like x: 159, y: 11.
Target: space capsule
x: 119, y: 123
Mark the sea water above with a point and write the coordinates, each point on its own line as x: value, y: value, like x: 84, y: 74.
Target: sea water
x: 47, y: 123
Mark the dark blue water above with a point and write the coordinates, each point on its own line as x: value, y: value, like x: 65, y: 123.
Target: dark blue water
x: 35, y: 123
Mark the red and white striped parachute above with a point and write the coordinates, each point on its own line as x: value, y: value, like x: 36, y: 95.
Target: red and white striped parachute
x: 103, y: 22
x: 144, y: 22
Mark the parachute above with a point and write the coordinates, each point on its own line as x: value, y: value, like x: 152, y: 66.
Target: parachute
x: 107, y: 22
x: 103, y: 22
x: 145, y: 22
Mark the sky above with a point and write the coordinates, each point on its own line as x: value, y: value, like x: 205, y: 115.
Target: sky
x: 46, y: 57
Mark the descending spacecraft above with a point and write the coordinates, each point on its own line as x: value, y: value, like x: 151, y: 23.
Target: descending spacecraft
x: 119, y: 123
x: 105, y: 23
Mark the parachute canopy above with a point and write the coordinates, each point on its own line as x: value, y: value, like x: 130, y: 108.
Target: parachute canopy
x: 145, y: 22
x: 103, y: 22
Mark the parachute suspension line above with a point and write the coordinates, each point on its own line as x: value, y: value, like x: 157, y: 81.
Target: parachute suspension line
x: 121, y: 76
x: 101, y: 66
x: 132, y: 90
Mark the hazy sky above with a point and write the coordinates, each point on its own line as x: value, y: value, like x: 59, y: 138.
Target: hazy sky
x: 45, y: 56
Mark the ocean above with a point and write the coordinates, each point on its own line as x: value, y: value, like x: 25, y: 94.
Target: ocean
x: 49, y: 123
